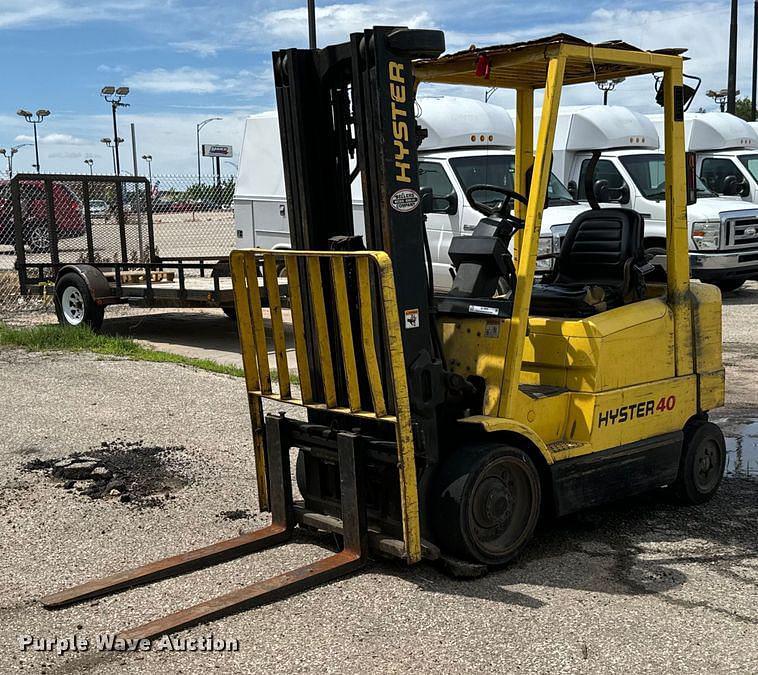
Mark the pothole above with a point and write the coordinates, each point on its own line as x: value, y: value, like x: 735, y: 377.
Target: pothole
x: 128, y: 471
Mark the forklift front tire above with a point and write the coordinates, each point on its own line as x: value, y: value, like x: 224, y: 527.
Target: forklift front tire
x: 488, y: 502
x: 702, y: 464
x: 74, y: 304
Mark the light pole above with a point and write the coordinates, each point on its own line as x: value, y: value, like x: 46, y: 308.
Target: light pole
x: 721, y: 97
x: 41, y: 114
x: 8, y: 154
x: 199, y: 126
x: 312, y: 24
x: 113, y: 95
x: 608, y: 85
x: 114, y: 151
x: 755, y: 63
x: 149, y: 160
x: 731, y: 84
x: 90, y: 162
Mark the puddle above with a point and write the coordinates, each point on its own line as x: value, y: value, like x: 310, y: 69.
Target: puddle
x: 126, y: 471
x: 741, y: 445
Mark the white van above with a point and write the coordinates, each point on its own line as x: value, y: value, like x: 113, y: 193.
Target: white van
x: 726, y: 148
x: 630, y: 172
x: 469, y: 142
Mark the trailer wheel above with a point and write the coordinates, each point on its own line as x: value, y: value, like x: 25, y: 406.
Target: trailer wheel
x: 74, y: 304
x: 488, y: 502
x: 729, y: 285
x: 702, y: 464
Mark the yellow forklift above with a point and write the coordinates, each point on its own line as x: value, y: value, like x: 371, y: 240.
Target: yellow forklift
x: 442, y: 427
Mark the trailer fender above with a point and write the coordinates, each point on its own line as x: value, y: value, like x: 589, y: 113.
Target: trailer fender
x: 98, y: 285
x: 499, y: 424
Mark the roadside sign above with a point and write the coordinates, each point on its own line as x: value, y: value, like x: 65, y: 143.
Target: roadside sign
x: 217, y: 150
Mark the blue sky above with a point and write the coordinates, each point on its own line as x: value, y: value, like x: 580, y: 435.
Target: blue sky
x: 186, y: 60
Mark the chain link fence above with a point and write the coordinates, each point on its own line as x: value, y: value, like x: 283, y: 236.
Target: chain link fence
x: 191, y: 218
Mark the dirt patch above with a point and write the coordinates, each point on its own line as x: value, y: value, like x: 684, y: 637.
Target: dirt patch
x: 128, y: 471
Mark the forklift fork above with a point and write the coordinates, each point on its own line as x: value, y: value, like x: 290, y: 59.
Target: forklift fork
x: 352, y: 557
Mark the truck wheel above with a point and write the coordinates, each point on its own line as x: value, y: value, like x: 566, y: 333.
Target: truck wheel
x: 729, y: 285
x: 702, y: 464
x: 488, y: 502
x: 74, y: 304
x: 38, y: 238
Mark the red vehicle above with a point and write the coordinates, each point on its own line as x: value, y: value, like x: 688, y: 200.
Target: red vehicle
x: 69, y: 214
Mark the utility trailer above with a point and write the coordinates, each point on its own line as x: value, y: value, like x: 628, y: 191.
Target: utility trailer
x: 90, y: 241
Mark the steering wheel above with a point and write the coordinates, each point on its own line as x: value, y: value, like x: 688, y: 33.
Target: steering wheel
x: 503, y: 209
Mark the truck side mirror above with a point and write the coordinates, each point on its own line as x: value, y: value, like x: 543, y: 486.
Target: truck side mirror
x: 573, y: 189
x: 624, y: 194
x: 427, y: 200
x: 600, y: 188
x: 734, y: 187
x: 447, y: 204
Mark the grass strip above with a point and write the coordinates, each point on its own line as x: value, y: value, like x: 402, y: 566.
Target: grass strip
x: 50, y: 338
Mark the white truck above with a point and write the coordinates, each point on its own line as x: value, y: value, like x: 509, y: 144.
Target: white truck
x: 469, y: 142
x: 630, y: 172
x: 726, y: 150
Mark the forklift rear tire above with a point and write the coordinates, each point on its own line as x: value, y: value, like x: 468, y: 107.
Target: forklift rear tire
x: 74, y: 304
x: 702, y: 464
x: 488, y: 503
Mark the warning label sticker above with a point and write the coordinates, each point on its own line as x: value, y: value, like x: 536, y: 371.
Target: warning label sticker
x: 411, y: 318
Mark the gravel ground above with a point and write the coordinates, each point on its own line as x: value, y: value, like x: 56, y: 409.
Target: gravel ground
x: 641, y: 585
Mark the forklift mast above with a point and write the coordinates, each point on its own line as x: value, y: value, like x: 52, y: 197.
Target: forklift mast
x: 349, y: 108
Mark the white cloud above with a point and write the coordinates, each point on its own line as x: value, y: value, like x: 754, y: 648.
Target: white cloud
x: 190, y: 80
x: 104, y: 68
x: 199, y: 47
x: 42, y: 13
x: 52, y: 139
x: 334, y: 23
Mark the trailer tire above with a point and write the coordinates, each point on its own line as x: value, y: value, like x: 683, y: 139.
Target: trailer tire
x: 488, y: 502
x: 74, y: 304
x: 702, y: 464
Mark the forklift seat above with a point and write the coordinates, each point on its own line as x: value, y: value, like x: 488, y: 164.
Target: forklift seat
x: 601, y: 265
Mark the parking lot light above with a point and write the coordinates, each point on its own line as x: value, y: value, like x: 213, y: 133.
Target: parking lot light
x: 149, y: 160
x: 199, y: 126
x: 89, y: 161
x: 113, y: 96
x: 41, y: 114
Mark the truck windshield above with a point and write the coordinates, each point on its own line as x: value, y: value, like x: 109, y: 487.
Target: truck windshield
x: 751, y: 164
x: 499, y: 170
x: 649, y: 175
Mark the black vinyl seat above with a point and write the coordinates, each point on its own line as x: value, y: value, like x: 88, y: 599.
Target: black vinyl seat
x: 601, y: 265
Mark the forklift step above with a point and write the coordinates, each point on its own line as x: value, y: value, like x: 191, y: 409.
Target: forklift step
x: 352, y: 557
